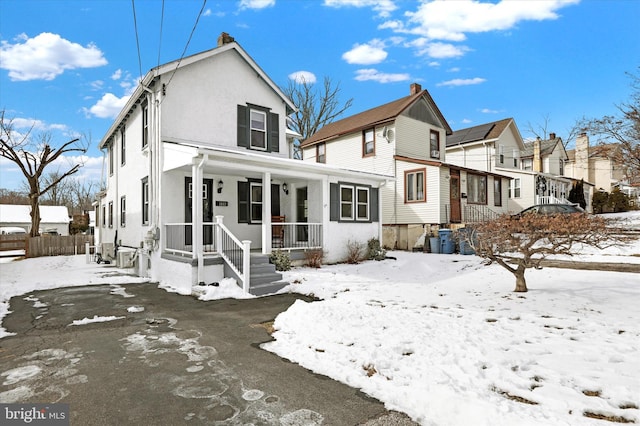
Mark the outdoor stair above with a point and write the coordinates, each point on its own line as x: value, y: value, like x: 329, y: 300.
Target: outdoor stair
x: 263, y: 276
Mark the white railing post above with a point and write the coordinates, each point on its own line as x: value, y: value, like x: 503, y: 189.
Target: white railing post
x: 86, y: 251
x: 218, y: 233
x: 246, y: 264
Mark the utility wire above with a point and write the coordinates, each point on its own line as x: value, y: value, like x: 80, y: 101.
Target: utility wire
x: 135, y: 26
x: 204, y: 3
x: 161, y: 24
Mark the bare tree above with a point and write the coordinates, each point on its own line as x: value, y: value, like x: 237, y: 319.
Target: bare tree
x: 542, y: 130
x: 623, y: 129
x: 316, y: 106
x: 32, y: 158
x: 518, y: 244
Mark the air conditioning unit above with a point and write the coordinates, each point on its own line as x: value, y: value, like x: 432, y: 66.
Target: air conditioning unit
x: 435, y: 154
x: 126, y: 259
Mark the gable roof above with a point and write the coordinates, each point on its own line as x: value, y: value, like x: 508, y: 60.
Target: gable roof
x: 173, y: 66
x: 546, y: 147
x: 372, y: 117
x: 482, y: 132
x: 17, y: 213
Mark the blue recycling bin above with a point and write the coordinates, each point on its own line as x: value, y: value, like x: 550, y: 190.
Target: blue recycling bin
x: 434, y: 244
x: 447, y: 244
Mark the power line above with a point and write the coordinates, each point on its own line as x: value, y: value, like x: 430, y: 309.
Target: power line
x: 135, y: 26
x: 204, y: 3
x: 161, y: 24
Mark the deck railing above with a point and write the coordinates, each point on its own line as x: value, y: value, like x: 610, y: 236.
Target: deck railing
x: 296, y: 236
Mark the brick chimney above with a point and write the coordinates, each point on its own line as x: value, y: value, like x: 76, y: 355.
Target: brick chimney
x: 415, y: 88
x: 582, y: 157
x: 224, y: 38
x: 537, y: 158
x: 552, y: 136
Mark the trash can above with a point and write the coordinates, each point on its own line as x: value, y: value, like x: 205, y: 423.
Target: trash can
x: 434, y: 244
x: 447, y: 244
x: 463, y: 244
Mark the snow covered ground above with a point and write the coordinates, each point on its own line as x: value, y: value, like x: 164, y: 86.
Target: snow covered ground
x: 442, y: 337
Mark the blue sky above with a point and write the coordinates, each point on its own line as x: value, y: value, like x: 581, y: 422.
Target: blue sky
x: 67, y: 67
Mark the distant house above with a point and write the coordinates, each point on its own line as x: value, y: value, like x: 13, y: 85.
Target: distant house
x: 536, y: 169
x: 405, y: 138
x: 54, y: 220
x: 201, y: 183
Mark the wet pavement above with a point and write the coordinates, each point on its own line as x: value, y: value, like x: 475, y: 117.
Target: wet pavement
x: 166, y: 359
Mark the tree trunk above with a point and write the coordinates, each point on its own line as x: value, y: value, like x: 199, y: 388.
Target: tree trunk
x: 35, y: 217
x: 521, y: 283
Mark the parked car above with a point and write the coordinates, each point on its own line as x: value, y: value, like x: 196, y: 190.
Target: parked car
x: 12, y: 230
x: 549, y: 209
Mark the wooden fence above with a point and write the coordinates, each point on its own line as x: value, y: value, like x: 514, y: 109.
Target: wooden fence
x: 12, y: 242
x: 57, y: 245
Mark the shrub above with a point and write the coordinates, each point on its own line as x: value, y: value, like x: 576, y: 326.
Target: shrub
x: 313, y: 258
x: 354, y: 252
x: 281, y: 260
x: 374, y: 250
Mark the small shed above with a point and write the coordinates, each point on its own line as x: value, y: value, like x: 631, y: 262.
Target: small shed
x: 54, y: 220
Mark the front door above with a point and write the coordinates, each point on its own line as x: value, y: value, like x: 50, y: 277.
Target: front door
x: 302, y: 213
x: 454, y: 197
x: 207, y: 209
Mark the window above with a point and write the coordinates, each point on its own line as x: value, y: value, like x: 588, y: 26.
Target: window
x: 362, y: 204
x: 497, y: 191
x: 368, y: 143
x: 346, y: 202
x: 434, y: 144
x: 515, y: 188
x: 111, y: 155
x: 145, y: 124
x: 527, y: 164
x: 145, y: 201
x: 255, y: 202
x: 123, y: 211
x: 561, y: 167
x: 258, y: 124
x: 321, y: 153
x: 515, y: 158
x: 110, y: 214
x: 476, y: 189
x: 501, y: 153
x: 104, y: 215
x: 123, y: 146
x: 414, y: 181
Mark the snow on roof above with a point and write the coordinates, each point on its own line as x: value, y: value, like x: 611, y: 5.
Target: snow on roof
x: 11, y: 213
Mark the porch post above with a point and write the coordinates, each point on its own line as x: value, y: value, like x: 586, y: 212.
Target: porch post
x: 246, y: 265
x: 266, y: 213
x: 326, y: 211
x: 196, y: 218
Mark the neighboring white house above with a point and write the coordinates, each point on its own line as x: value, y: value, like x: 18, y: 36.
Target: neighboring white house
x: 406, y: 139
x: 215, y: 121
x: 536, y: 168
x: 54, y: 220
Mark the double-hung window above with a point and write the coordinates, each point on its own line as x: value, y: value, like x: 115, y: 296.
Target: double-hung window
x: 145, y: 124
x: 362, y: 203
x: 354, y: 203
x: 123, y: 211
x: 110, y: 214
x: 256, y: 202
x: 476, y: 189
x: 104, y: 215
x: 497, y: 191
x: 258, y: 122
x: 434, y: 144
x: 515, y: 188
x: 368, y: 143
x: 123, y: 146
x: 501, y: 153
x: 515, y: 158
x: 321, y: 153
x: 145, y: 201
x: 112, y: 154
x: 346, y: 202
x: 414, y: 181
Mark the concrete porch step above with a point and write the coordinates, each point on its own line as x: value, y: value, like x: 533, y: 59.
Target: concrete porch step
x: 267, y: 288
x: 263, y: 277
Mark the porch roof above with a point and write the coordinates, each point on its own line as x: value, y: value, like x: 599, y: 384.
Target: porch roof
x: 243, y: 163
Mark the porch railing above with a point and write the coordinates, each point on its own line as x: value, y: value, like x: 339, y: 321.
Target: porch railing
x: 235, y: 252
x: 296, y: 235
x: 478, y: 213
x: 550, y: 199
x: 178, y: 237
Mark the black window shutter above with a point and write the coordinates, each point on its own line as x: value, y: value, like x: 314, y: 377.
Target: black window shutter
x: 373, y: 204
x: 243, y: 126
x: 334, y: 202
x: 275, y: 199
x: 243, y: 202
x: 274, y: 133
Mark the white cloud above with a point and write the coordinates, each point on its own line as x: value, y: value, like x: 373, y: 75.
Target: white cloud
x: 462, y: 82
x: 454, y: 69
x: 451, y: 20
x: 39, y: 125
x: 303, y: 77
x: 488, y: 111
x: 437, y: 50
x: 207, y: 12
x: 381, y: 77
x: 46, y: 56
x: 117, y: 74
x: 108, y: 106
x: 256, y: 4
x: 97, y: 84
x: 383, y: 7
x: 466, y: 121
x: 366, y: 54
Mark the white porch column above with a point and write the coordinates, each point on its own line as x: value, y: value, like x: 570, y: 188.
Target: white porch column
x: 266, y: 213
x: 196, y: 217
x: 326, y: 210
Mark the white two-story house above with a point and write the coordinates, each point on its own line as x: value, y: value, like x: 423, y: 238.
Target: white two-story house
x: 406, y: 139
x: 199, y: 179
x: 536, y: 168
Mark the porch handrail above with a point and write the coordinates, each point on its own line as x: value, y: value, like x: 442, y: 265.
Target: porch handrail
x: 478, y: 213
x: 550, y: 199
x: 235, y: 253
x: 297, y: 235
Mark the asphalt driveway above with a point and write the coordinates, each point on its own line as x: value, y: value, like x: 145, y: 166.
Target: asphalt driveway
x: 166, y: 359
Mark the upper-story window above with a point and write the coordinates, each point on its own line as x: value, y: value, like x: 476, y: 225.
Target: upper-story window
x: 515, y: 157
x: 561, y: 167
x: 112, y: 154
x: 434, y: 144
x: 501, y: 153
x: 414, y: 185
x: 123, y: 146
x: 145, y: 201
x: 258, y: 128
x: 368, y: 143
x: 527, y: 164
x: 321, y: 153
x: 145, y: 124
x: 123, y: 211
x: 110, y: 214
